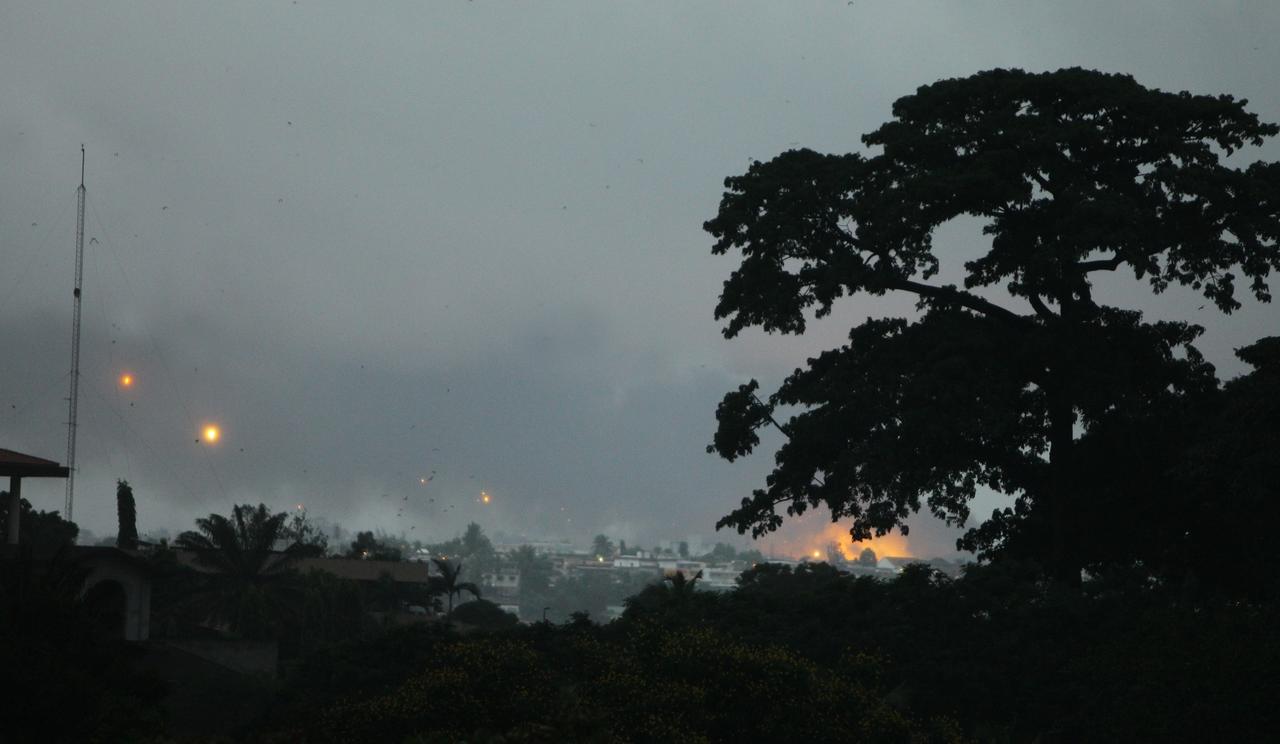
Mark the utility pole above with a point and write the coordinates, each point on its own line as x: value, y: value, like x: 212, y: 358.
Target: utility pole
x: 74, y: 398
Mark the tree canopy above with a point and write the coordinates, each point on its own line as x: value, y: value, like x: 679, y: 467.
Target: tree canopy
x: 1072, y: 173
x: 367, y: 546
x: 247, y: 585
x: 312, y: 542
x: 602, y: 546
x: 127, y: 515
x: 43, y: 530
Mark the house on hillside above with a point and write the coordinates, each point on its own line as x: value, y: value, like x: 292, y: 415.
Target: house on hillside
x: 117, y: 583
x: 721, y: 577
x: 670, y: 566
x: 502, y: 587
x: 640, y: 562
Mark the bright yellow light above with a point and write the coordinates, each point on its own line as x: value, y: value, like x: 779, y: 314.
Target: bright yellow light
x: 817, y: 554
x: 212, y: 433
x: 126, y: 380
x: 484, y: 497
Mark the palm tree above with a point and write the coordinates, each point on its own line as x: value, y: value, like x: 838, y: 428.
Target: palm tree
x: 681, y: 586
x: 248, y: 585
x: 661, y: 598
x: 447, y: 582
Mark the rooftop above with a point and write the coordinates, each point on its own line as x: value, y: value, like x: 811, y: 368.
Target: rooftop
x: 29, y: 466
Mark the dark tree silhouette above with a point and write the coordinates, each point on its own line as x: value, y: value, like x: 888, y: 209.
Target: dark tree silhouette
x: 127, y: 515
x: 1179, y: 485
x: 449, y: 581
x: 720, y: 553
x: 485, y: 614
x: 535, y: 571
x: 473, y: 546
x: 602, y: 546
x: 1236, y: 467
x: 369, y: 547
x: 1073, y: 172
x: 681, y: 585
x: 249, y: 586
x: 41, y: 530
x: 311, y: 540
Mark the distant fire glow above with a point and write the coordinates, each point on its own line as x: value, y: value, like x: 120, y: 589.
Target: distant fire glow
x: 212, y: 434
x: 126, y: 380
x: 893, y: 544
x: 813, y: 535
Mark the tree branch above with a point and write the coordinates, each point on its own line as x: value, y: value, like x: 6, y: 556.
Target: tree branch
x: 1041, y: 309
x: 1102, y: 264
x: 963, y: 299
x: 770, y: 417
x: 1044, y: 182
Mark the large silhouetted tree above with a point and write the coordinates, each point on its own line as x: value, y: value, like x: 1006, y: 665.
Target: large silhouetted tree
x: 1073, y: 173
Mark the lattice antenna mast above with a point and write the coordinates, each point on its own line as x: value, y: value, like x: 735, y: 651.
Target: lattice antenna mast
x: 74, y: 398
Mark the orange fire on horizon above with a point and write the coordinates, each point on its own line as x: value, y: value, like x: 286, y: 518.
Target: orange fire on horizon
x: 803, y: 538
x: 891, y: 544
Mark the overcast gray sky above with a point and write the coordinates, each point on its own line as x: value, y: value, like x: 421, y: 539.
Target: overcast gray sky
x: 380, y: 241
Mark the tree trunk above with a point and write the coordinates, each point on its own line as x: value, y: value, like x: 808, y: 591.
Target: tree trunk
x: 1064, y: 563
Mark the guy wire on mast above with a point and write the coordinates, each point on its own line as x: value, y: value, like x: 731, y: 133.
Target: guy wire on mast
x: 74, y: 398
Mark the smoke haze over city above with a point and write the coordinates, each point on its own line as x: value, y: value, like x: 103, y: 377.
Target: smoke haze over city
x: 402, y: 254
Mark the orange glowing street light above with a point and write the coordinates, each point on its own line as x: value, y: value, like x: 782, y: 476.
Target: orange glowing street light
x: 126, y: 380
x: 484, y: 497
x: 212, y: 434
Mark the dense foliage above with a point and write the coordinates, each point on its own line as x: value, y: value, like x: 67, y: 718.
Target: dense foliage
x: 633, y: 683
x: 247, y: 584
x: 815, y: 654
x: 42, y: 530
